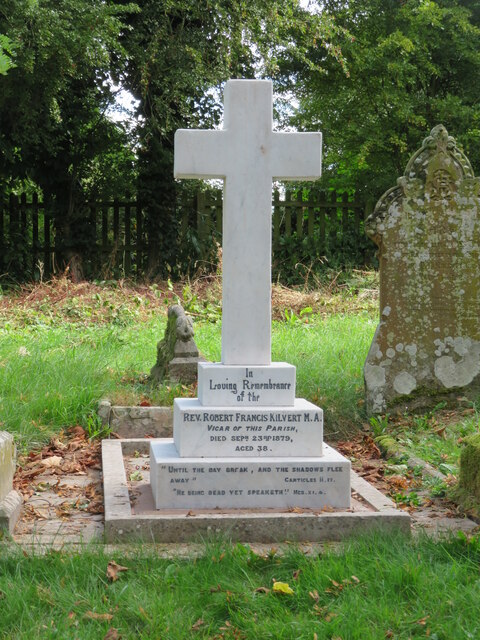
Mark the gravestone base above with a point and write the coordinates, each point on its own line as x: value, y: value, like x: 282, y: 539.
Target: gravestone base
x: 240, y: 483
x: 130, y: 512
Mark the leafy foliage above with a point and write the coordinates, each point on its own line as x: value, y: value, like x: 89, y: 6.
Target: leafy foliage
x: 410, y: 65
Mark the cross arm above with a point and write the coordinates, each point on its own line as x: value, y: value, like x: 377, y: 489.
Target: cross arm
x: 200, y: 154
x: 296, y: 156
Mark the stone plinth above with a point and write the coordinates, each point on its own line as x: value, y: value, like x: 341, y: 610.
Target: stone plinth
x: 427, y: 344
x: 236, y: 483
x: 247, y: 431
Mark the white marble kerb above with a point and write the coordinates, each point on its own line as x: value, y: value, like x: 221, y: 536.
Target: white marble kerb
x: 248, y: 155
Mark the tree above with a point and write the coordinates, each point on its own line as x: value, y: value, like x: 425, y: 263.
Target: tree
x: 410, y: 64
x: 54, y: 128
x: 6, y: 55
x: 180, y: 53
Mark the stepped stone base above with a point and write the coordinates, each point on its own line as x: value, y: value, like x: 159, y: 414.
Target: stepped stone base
x: 294, y: 431
x: 130, y: 512
x: 238, y: 483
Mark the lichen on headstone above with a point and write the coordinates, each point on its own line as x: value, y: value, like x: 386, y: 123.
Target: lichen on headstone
x: 427, y: 344
x: 177, y: 353
x: 467, y: 491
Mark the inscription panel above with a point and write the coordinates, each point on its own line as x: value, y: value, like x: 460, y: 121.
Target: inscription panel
x: 247, y: 431
x: 230, y: 385
x: 233, y: 483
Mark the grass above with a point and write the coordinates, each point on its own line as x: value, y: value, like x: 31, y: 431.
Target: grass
x: 373, y: 588
x: 62, y: 350
x: 435, y: 437
x: 63, y: 347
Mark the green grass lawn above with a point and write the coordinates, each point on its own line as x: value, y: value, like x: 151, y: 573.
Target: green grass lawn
x: 369, y: 589
x: 53, y: 375
x: 62, y: 352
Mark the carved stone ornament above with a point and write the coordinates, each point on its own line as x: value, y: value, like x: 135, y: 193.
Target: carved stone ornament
x: 427, y: 344
x: 177, y: 353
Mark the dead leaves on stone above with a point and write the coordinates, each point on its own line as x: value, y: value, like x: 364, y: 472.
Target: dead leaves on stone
x: 40, y: 474
x: 72, y: 454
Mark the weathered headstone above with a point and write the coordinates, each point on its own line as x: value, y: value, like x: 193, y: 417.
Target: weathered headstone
x: 177, y: 353
x: 246, y: 441
x: 427, y: 344
x: 467, y: 492
x: 10, y: 500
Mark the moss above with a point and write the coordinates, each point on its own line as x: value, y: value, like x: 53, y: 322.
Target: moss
x: 389, y: 446
x: 425, y: 398
x: 469, y: 479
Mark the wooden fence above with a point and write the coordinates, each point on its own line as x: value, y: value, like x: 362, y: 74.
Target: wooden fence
x: 119, y: 244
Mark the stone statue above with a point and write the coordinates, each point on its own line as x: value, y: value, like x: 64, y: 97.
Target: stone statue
x: 177, y: 353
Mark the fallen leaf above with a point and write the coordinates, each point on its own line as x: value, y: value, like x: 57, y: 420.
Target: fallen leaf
x: 296, y: 574
x: 112, y: 634
x: 77, y: 432
x: 282, y: 587
x: 58, y: 444
x: 53, y: 461
x: 215, y: 589
x: 113, y: 569
x: 423, y: 621
x: 262, y: 590
x: 45, y: 595
x: 389, y: 634
x: 441, y: 432
x: 196, y: 626
x: 92, y: 615
x: 314, y: 595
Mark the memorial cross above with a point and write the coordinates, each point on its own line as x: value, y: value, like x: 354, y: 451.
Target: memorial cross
x: 248, y: 155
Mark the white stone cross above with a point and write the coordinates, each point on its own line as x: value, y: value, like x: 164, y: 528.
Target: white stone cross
x: 248, y: 155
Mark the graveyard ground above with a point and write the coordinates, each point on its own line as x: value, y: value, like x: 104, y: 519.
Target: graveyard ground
x: 65, y: 346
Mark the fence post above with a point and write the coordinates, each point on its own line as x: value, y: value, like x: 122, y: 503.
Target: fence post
x: 345, y: 217
x: 2, y: 236
x: 333, y: 222
x: 276, y: 218
x: 357, y: 208
x: 288, y: 214
x: 200, y: 214
x: 104, y: 233
x: 300, y: 214
x: 93, y: 225
x: 47, y: 253
x: 312, y: 201
x: 128, y: 248
x: 139, y: 245
x: 218, y: 212
x: 35, y: 244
